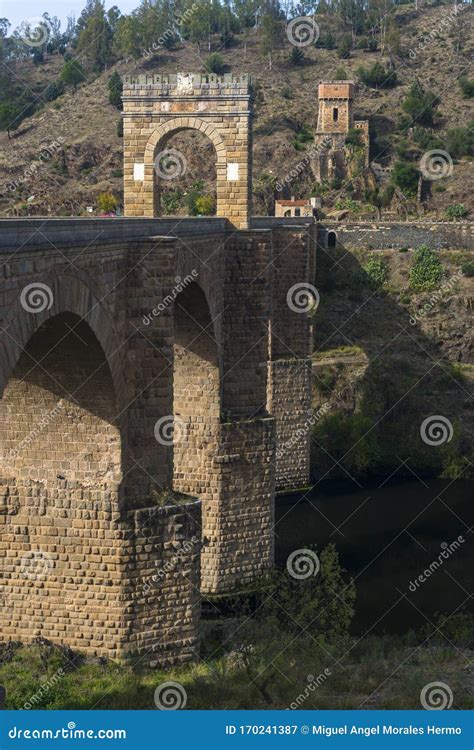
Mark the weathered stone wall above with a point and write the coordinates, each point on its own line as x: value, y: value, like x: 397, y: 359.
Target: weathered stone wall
x: 289, y: 386
x: 289, y: 401
x: 163, y: 569
x: 166, y: 326
x: 156, y: 106
x: 381, y: 235
x: 241, y: 514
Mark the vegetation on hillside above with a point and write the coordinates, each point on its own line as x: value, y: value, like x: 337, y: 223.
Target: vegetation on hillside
x: 385, y: 48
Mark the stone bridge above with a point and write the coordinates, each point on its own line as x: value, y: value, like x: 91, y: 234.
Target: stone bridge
x: 156, y: 389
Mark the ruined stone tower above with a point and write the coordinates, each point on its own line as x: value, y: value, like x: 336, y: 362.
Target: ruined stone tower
x: 335, y: 120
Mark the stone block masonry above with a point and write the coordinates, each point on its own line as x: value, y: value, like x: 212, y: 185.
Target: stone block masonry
x: 156, y: 107
x: 383, y: 235
x: 101, y: 344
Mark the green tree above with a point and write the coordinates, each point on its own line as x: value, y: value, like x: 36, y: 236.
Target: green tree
x: 72, y: 73
x: 344, y: 47
x: 126, y: 41
x: 405, y: 176
x: 271, y: 31
x: 420, y: 105
x: 467, y: 87
x: 460, y: 141
x: 377, y: 76
x: 296, y: 56
x: 95, y: 39
x: 115, y: 90
x: 215, y: 63
x: 10, y: 117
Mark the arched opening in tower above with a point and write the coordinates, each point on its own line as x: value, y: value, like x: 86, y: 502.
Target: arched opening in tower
x: 332, y: 239
x: 185, y: 175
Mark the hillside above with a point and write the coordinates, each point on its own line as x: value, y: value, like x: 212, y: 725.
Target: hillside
x: 84, y: 156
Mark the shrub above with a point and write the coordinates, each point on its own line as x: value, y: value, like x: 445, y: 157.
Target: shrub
x: 420, y: 104
x: 53, y: 91
x: 215, y: 63
x: 377, y: 76
x: 405, y: 176
x: 287, y: 92
x: 325, y: 600
x: 468, y: 268
x: 296, y: 56
x: 426, y: 140
x: 375, y: 271
x: 340, y: 74
x: 467, y: 87
x: 120, y: 128
x: 205, y: 205
x: 106, y: 202
x: 456, y: 211
x: 344, y: 47
x: 351, y: 438
x: 354, y: 137
x: 460, y: 141
x: 426, y: 271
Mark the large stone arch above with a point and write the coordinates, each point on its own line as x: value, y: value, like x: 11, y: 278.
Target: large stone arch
x: 56, y: 294
x: 157, y: 144
x: 218, y: 106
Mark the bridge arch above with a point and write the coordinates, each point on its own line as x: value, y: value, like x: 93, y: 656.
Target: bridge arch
x: 47, y: 296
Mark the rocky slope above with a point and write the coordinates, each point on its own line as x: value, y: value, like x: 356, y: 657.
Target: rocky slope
x: 90, y: 158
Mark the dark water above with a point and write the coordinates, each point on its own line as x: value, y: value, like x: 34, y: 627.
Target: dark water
x: 386, y: 536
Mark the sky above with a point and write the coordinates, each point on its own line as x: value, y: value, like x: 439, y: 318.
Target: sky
x: 20, y: 10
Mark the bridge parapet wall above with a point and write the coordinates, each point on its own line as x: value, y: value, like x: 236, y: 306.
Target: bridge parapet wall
x: 385, y: 235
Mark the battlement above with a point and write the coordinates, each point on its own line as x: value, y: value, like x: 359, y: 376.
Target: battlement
x: 188, y: 84
x: 336, y: 90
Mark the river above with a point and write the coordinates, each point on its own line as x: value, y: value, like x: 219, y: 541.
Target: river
x: 387, y: 535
